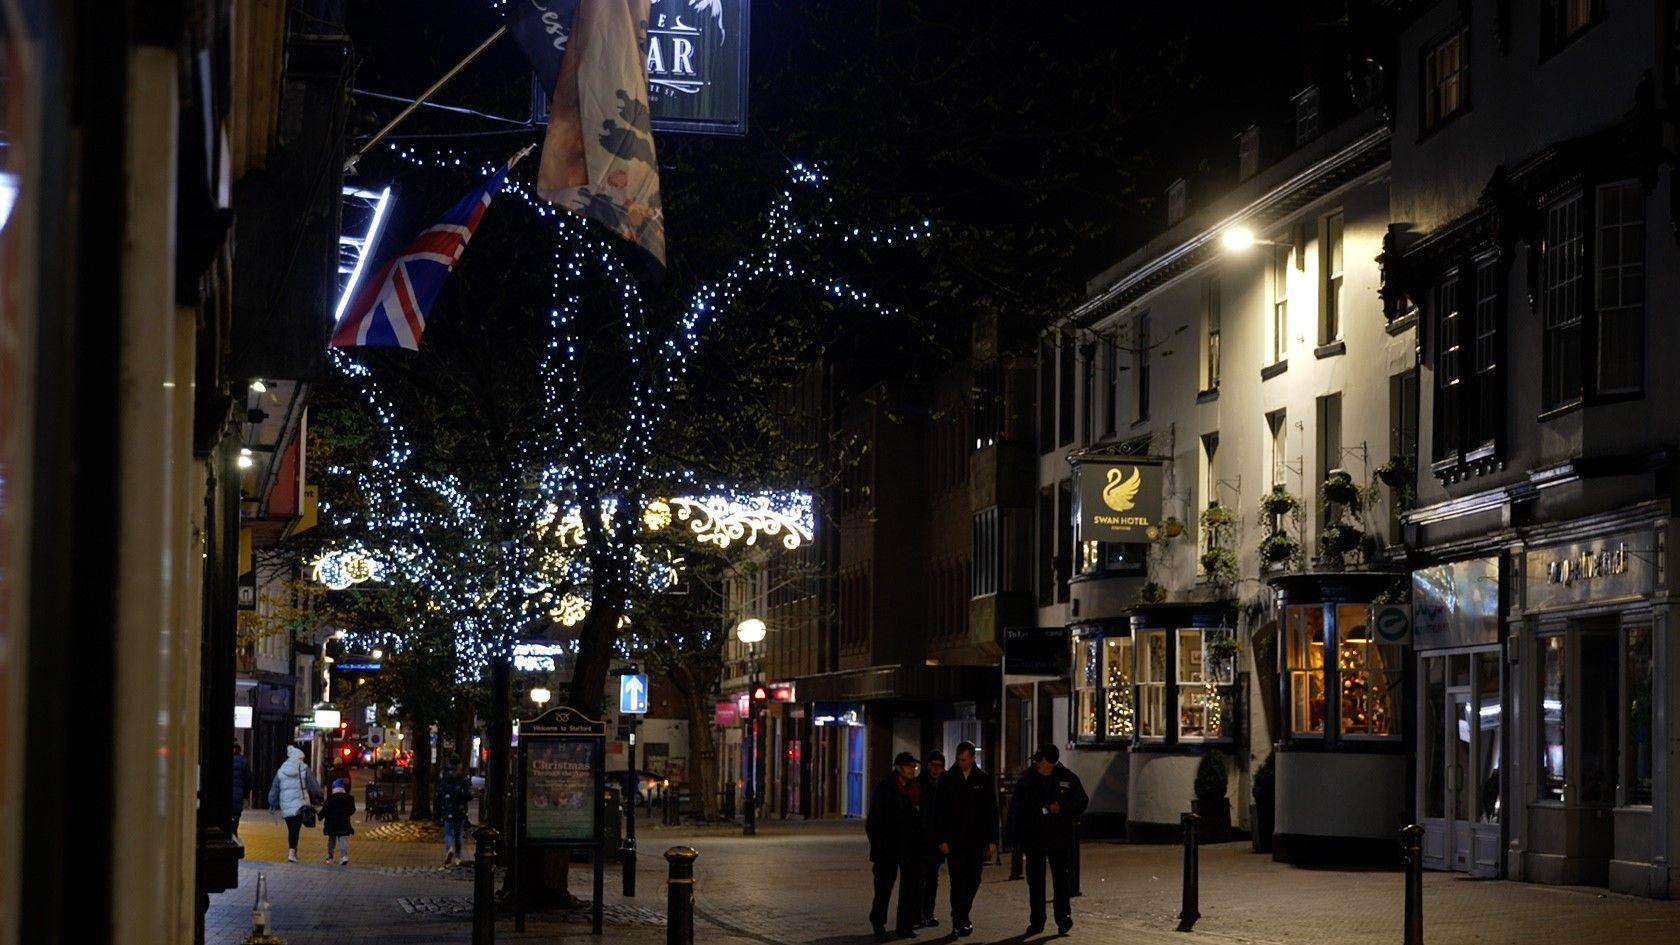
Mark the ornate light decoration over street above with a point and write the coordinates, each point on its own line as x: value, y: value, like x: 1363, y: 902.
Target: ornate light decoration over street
x: 717, y: 520
x: 339, y: 570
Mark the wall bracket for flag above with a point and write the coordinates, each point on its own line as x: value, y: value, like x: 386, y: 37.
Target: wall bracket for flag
x: 412, y: 107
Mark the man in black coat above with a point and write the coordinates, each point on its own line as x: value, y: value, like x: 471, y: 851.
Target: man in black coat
x: 899, y: 841
x: 929, y: 780
x: 967, y: 832
x: 1044, y: 822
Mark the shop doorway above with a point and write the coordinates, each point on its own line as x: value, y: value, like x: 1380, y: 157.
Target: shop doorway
x: 1461, y: 787
x: 856, y: 744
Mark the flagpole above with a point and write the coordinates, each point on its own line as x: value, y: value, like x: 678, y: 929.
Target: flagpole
x: 350, y: 162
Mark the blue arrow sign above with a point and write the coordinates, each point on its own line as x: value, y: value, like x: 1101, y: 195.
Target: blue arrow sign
x: 633, y: 694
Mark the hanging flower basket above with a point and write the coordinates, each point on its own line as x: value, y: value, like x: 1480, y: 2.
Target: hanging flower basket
x: 1339, y: 488
x: 1395, y: 472
x: 1340, y: 539
x: 1279, y: 547
x: 1278, y: 502
x: 1151, y: 593
x: 1220, y: 565
x: 1171, y: 527
x: 1218, y: 517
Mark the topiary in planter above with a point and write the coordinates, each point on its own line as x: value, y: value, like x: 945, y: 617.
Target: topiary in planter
x: 1212, y: 779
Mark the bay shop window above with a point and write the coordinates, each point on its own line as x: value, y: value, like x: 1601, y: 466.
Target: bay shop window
x: 1340, y: 682
x: 1155, y: 685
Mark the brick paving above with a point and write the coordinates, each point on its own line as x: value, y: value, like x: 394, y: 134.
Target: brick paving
x: 809, y: 884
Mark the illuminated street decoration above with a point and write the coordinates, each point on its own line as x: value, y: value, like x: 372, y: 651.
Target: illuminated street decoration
x: 719, y: 521
x: 339, y: 570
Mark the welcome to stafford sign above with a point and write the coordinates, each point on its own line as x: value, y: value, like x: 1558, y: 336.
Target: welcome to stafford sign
x: 1119, y: 499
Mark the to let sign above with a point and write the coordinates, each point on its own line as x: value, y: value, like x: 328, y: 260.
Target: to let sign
x: 1035, y: 651
x: 697, y: 65
x: 1119, y: 500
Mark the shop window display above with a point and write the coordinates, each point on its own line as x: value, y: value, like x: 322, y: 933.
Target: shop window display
x: 1370, y: 677
x: 1118, y: 713
x: 1551, y: 717
x: 1305, y: 654
x: 1636, y: 740
x: 1085, y: 652
x: 1152, y: 684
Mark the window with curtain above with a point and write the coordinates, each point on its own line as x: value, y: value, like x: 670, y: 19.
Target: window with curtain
x: 1563, y: 20
x: 1204, y: 684
x: 1304, y: 655
x: 1280, y: 303
x: 1211, y: 321
x: 1619, y: 264
x: 1277, y: 424
x: 1449, y: 366
x: 1331, y: 327
x: 1562, y: 269
x: 1151, y: 683
x: 1445, y: 76
x: 1550, y: 716
x: 1370, y: 675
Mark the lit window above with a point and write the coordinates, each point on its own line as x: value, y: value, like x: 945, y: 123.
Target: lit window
x: 1085, y: 653
x: 1305, y: 655
x: 1152, y: 684
x: 1331, y: 329
x: 1280, y: 303
x: 1205, y: 673
x: 1445, y: 74
x: 1370, y: 675
x: 1551, y: 717
x: 1118, y: 721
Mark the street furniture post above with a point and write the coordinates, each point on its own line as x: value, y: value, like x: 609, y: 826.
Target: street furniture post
x: 1189, y: 912
x: 679, y: 903
x: 1412, y: 839
x: 484, y: 886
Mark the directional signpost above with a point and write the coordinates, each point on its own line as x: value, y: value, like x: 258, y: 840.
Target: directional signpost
x: 632, y: 703
x: 633, y: 694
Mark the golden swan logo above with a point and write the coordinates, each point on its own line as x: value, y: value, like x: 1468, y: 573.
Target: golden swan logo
x: 1120, y: 494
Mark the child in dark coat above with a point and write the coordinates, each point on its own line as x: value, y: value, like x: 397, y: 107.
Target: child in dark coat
x: 335, y: 819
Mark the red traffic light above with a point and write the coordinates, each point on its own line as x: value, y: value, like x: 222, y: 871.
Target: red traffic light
x: 759, y: 694
x: 346, y: 751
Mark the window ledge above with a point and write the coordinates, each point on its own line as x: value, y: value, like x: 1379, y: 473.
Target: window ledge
x: 1399, y: 325
x: 1273, y: 370
x: 1440, y: 123
x: 1563, y: 410
x: 1139, y: 422
x: 1207, y: 396
x: 1330, y: 350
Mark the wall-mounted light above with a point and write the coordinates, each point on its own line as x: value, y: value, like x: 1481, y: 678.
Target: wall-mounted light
x: 1238, y: 238
x: 258, y: 387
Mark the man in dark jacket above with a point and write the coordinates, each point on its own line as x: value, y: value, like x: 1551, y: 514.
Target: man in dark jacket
x: 967, y: 832
x: 898, y: 846
x: 1044, y: 822
x: 929, y: 780
x: 454, y: 794
x: 241, y: 786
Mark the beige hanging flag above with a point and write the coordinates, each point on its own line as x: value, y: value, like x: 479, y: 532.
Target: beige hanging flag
x: 598, y: 158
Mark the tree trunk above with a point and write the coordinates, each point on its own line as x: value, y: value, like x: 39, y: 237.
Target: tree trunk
x: 500, y: 732
x: 595, y: 652
x: 702, y: 747
x: 422, y: 800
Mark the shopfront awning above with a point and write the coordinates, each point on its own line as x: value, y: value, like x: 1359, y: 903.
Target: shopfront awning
x: 904, y: 682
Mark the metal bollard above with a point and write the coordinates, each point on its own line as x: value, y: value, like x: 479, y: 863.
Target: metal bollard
x: 1412, y: 840
x: 262, y: 918
x: 484, y: 885
x: 1189, y: 912
x: 679, y: 903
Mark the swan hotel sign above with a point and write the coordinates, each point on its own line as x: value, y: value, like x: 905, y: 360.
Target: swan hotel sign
x: 1119, y: 500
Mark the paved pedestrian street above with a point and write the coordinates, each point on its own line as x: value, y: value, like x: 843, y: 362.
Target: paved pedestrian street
x: 808, y: 884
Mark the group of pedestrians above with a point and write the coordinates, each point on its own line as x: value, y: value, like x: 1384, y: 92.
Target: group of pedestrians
x: 923, y: 819
x: 919, y: 820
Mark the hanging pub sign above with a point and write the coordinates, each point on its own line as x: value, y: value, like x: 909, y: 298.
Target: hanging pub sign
x: 1119, y: 500
x: 696, y: 63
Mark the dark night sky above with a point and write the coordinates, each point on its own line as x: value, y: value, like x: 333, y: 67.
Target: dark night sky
x: 1059, y: 126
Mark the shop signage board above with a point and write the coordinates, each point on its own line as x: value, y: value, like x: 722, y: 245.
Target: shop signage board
x: 1456, y: 604
x: 560, y: 782
x: 1119, y: 500
x: 1392, y: 623
x: 1615, y: 566
x: 726, y: 714
x: 1035, y: 651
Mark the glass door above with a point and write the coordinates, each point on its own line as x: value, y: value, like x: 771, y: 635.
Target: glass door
x: 1460, y: 771
x: 1461, y: 739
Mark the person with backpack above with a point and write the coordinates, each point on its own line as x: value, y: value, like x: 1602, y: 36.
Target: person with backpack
x: 293, y: 795
x: 335, y: 818
x: 454, y: 795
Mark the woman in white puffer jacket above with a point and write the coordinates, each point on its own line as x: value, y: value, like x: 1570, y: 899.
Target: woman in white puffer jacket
x: 294, y: 789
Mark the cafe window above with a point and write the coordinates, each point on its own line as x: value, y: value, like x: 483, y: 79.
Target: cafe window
x: 1152, y: 684
x: 1371, y: 676
x: 1551, y: 688
x: 1086, y: 679
x: 1206, y: 671
x: 1637, y: 744
x: 1305, y: 655
x: 1118, y: 713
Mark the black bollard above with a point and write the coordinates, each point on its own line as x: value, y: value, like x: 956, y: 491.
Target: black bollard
x: 1412, y: 840
x: 484, y: 886
x: 1189, y: 912
x: 679, y: 903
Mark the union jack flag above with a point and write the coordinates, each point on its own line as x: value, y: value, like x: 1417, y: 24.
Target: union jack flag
x: 390, y: 308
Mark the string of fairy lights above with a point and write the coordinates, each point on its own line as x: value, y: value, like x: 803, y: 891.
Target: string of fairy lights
x: 435, y: 533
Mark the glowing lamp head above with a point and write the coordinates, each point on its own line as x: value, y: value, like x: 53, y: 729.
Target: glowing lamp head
x: 541, y: 696
x: 750, y: 631
x: 1237, y: 238
x: 377, y: 653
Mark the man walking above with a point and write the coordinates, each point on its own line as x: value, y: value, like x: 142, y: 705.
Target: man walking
x: 1046, y: 808
x: 967, y: 832
x: 242, y: 783
x: 929, y: 780
x: 898, y: 846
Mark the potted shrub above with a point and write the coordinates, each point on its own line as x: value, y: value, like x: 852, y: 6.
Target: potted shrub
x: 1211, y: 804
x: 1262, y: 811
x: 1339, y: 488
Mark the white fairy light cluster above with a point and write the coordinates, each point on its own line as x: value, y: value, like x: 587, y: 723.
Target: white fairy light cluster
x: 436, y: 532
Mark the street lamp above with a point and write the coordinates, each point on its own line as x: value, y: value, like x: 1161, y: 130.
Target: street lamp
x: 541, y: 696
x: 751, y: 632
x: 1238, y: 238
